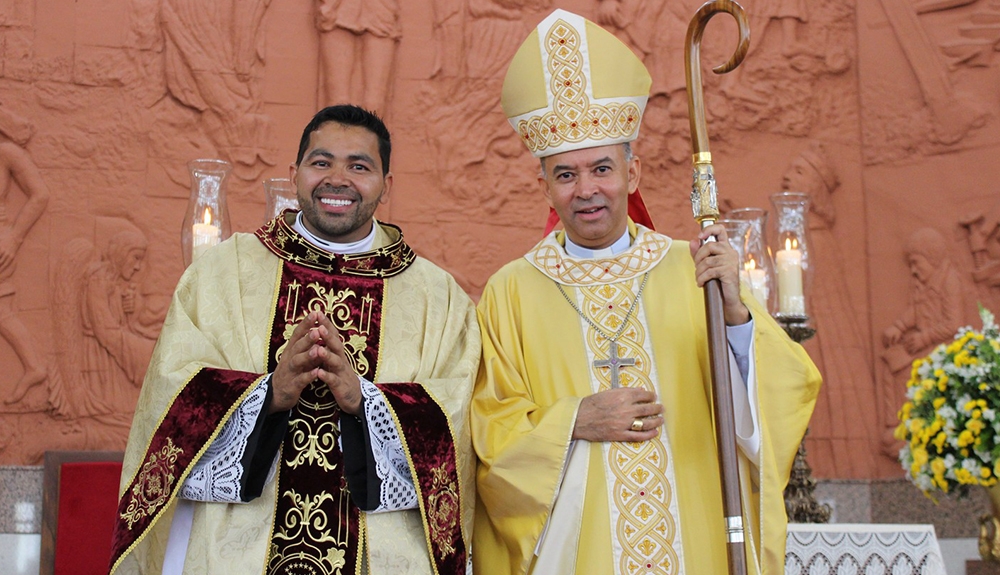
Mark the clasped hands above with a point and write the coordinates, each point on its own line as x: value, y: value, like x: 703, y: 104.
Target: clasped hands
x: 315, y: 352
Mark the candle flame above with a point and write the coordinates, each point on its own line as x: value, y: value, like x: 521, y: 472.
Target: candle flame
x: 208, y: 216
x: 750, y: 265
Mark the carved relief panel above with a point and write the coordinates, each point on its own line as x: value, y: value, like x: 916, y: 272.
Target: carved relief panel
x: 883, y: 112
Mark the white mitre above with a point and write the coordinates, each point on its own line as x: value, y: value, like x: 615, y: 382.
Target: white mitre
x: 572, y: 85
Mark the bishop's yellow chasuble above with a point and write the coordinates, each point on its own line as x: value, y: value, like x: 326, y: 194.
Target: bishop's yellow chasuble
x: 640, y: 508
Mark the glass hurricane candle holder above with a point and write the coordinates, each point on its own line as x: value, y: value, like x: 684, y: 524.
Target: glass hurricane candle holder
x: 207, y: 220
x: 281, y: 195
x: 756, y: 267
x: 737, y: 232
x: 792, y: 260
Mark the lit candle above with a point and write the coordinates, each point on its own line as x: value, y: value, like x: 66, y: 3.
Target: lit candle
x: 789, y: 261
x: 756, y: 278
x: 204, y: 235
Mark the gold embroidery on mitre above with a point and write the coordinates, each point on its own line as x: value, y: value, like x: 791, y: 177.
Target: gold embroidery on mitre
x: 640, y: 490
x: 442, y: 510
x: 153, y: 485
x: 573, y: 117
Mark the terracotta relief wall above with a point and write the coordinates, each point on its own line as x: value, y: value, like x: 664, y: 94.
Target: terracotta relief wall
x: 885, y: 112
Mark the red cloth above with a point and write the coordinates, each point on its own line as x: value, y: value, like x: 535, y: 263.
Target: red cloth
x: 636, y: 210
x: 88, y: 503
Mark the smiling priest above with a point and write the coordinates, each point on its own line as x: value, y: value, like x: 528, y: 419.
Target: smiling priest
x: 592, y: 413
x: 306, y: 407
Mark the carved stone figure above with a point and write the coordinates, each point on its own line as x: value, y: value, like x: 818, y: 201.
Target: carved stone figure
x: 789, y: 13
x: 953, y: 117
x: 654, y: 31
x: 357, y: 37
x: 470, y: 145
x: 212, y: 64
x: 17, y: 167
x: 493, y: 32
x: 931, y: 317
x: 448, y: 31
x: 844, y: 355
x: 106, y: 346
x: 983, y: 230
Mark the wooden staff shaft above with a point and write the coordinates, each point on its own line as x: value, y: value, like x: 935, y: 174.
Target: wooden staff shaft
x: 704, y: 203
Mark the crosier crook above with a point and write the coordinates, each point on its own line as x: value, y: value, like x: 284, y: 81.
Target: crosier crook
x: 704, y: 203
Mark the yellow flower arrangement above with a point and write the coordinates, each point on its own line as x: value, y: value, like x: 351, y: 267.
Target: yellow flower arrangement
x: 950, y: 420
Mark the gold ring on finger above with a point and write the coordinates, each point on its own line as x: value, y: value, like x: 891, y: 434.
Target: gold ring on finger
x: 637, y: 424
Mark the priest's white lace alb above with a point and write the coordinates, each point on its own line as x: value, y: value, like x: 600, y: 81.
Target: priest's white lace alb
x: 217, y: 475
x: 397, y: 491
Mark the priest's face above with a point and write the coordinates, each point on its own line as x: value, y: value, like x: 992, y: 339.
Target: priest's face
x: 340, y: 182
x: 589, y: 190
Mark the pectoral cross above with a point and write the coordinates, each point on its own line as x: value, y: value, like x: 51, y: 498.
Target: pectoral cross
x: 614, y: 362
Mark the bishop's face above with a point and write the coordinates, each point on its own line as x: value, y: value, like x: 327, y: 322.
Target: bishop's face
x: 589, y: 190
x: 340, y: 183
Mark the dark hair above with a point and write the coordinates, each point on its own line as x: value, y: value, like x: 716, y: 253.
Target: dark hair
x: 349, y: 115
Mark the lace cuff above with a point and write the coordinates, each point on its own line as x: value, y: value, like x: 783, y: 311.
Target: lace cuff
x: 397, y: 490
x: 218, y: 474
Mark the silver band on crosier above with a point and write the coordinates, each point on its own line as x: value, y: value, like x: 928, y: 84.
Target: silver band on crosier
x: 734, y: 529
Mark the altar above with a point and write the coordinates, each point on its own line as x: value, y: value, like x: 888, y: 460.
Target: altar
x: 862, y: 549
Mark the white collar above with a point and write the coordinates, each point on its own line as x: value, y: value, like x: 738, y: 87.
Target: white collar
x: 362, y: 245
x: 620, y: 245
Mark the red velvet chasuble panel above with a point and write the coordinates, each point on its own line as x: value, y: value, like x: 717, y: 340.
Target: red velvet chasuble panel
x: 188, y: 427
x: 316, y: 525
x: 428, y: 439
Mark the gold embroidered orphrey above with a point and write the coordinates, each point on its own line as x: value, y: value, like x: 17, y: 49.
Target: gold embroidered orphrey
x: 307, y: 524
x: 277, y: 235
x: 574, y: 118
x: 647, y: 251
x: 313, y: 434
x: 638, y: 486
x: 613, y: 361
x: 442, y: 509
x: 334, y: 303
x: 153, y: 486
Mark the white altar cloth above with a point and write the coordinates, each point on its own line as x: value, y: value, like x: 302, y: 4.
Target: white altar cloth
x: 862, y: 549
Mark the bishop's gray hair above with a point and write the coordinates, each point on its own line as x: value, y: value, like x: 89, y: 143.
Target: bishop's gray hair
x: 628, y: 156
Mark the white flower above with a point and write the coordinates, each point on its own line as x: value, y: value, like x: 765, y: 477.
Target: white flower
x: 923, y: 482
x: 989, y: 320
x: 963, y: 400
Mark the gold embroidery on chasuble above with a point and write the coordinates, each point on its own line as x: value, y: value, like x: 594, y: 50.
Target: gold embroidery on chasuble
x: 442, y: 507
x: 154, y: 484
x: 336, y: 304
x: 639, y: 492
x: 639, y: 476
x: 574, y: 118
x: 317, y: 528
